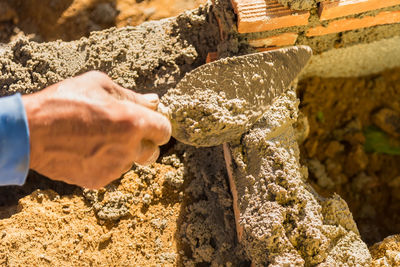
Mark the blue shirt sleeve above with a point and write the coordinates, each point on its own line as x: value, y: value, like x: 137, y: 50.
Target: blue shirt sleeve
x: 14, y: 141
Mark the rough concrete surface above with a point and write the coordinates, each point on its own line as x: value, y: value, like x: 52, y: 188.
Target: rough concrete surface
x: 153, y: 56
x: 284, y: 221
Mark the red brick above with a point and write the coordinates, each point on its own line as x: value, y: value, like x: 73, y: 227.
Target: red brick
x: 264, y: 49
x: 283, y: 39
x: 386, y: 17
x: 266, y: 15
x: 342, y: 8
x: 212, y: 56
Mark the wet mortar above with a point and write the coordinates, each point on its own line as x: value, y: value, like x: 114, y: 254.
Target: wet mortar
x: 218, y: 102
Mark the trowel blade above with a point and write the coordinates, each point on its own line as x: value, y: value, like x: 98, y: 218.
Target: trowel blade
x: 258, y: 78
x: 219, y: 101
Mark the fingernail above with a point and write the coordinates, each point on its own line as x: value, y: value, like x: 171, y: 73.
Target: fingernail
x: 154, y: 157
x: 152, y: 98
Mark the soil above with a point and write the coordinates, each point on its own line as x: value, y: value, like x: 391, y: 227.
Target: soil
x: 156, y: 216
x: 353, y: 147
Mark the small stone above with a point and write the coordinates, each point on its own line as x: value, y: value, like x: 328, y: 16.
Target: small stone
x: 146, y: 199
x: 357, y: 161
x: 40, y: 197
x: 388, y: 120
x: 160, y: 224
x: 66, y: 209
x: 105, y: 237
x: 113, y: 207
x: 133, y: 223
x: 104, y: 13
x: 319, y: 172
x: 44, y: 257
x: 333, y: 148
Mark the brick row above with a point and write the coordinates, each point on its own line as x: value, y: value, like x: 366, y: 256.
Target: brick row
x: 283, y: 39
x: 266, y: 15
x: 341, y: 8
x: 385, y: 17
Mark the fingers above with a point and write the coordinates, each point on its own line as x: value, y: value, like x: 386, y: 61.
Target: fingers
x: 151, y: 130
x: 147, y: 100
x: 149, y: 153
x: 151, y: 125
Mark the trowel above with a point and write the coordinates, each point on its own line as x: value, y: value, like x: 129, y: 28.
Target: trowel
x: 219, y: 101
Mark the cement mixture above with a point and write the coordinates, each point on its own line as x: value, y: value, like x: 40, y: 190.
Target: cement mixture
x: 219, y: 101
x: 284, y: 221
x: 300, y: 4
x: 153, y: 56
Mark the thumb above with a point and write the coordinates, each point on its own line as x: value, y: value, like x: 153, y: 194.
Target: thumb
x: 147, y: 100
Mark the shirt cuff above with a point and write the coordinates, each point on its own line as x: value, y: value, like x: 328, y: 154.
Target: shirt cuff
x: 14, y: 141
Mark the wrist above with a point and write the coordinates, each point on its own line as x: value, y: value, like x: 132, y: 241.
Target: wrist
x: 32, y: 106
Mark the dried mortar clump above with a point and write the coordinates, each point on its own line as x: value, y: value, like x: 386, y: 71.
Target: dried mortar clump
x: 284, y: 221
x: 174, y: 178
x: 110, y: 205
x: 386, y: 252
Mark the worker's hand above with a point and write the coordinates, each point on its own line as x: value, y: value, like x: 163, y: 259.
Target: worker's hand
x: 88, y: 130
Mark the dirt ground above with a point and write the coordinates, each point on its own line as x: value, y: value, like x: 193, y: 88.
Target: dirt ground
x: 156, y: 216
x: 353, y: 146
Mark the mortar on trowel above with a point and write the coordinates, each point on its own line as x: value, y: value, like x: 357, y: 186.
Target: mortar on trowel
x: 219, y: 101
